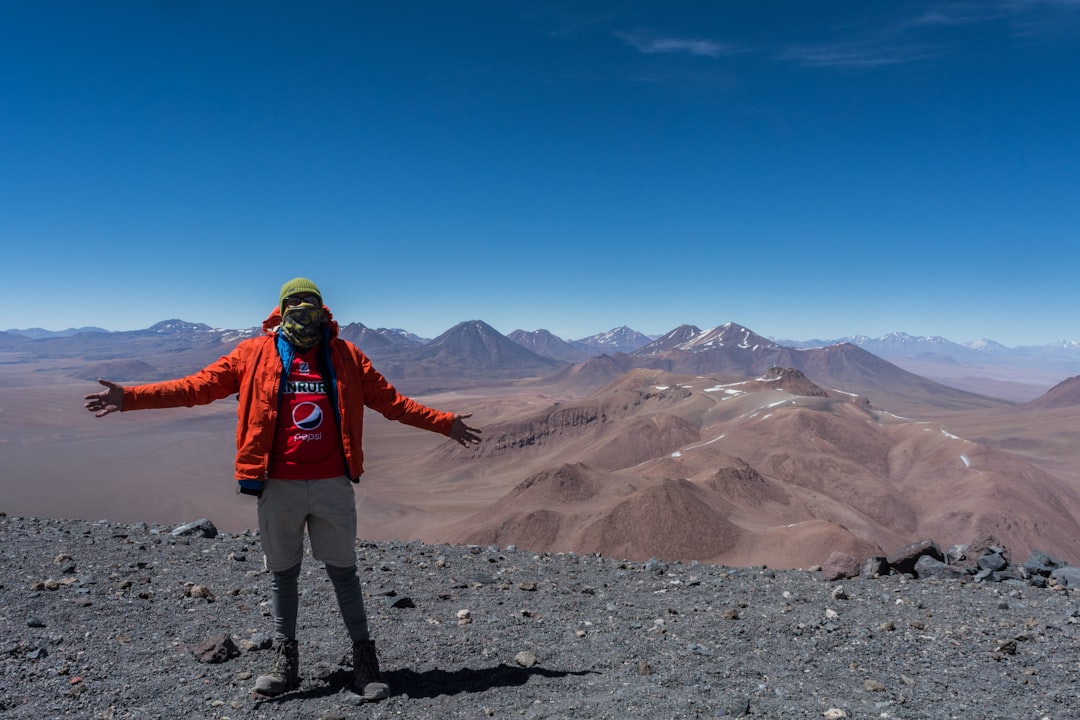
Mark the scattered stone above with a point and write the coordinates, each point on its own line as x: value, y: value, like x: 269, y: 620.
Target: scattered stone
x: 525, y: 659
x: 1005, y: 647
x: 655, y: 565
x: 956, y: 554
x: 993, y: 559
x: 903, y: 560
x: 200, y: 592
x: 218, y: 649
x: 201, y: 527
x: 738, y: 708
x: 1067, y: 577
x: 262, y: 641
x: 987, y: 542
x: 1040, y: 563
x: 839, y: 566
x: 929, y: 567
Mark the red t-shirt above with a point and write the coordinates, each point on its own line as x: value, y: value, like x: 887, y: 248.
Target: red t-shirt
x: 307, y: 443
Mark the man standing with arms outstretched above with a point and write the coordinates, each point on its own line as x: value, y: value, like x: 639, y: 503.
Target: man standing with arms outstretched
x: 302, y: 391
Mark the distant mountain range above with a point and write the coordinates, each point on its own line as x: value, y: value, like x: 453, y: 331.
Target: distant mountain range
x: 985, y: 366
x: 621, y: 339
x: 473, y: 352
x: 899, y: 343
x: 40, y: 333
x: 542, y: 342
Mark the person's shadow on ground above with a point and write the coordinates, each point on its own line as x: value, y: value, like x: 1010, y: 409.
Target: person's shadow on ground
x: 431, y: 683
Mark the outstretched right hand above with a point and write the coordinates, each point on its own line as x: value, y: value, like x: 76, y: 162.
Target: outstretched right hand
x: 109, y: 400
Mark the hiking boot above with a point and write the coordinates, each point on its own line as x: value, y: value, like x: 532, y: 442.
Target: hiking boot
x: 367, y: 680
x: 284, y: 673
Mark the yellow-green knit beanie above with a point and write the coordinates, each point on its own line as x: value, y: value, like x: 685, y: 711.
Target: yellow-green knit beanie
x: 297, y: 286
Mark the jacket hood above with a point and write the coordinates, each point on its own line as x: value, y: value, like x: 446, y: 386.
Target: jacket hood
x: 273, y: 320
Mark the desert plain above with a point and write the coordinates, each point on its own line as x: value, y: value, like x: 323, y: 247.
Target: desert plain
x: 166, y: 466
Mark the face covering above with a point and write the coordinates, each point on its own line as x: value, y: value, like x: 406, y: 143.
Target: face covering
x: 302, y: 325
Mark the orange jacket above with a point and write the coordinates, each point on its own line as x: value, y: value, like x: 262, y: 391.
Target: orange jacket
x: 253, y: 371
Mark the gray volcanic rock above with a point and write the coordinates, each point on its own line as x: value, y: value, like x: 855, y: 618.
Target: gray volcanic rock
x: 104, y: 621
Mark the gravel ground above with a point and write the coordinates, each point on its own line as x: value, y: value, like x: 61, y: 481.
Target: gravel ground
x: 101, y: 621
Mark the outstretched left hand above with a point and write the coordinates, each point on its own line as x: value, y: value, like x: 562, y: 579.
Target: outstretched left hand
x: 462, y: 433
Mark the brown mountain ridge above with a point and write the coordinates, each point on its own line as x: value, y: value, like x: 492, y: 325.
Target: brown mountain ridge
x: 771, y: 470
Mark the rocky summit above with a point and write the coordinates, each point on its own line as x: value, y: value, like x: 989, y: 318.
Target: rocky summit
x: 107, y: 621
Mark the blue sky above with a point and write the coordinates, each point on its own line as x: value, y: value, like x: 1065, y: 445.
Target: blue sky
x: 806, y: 169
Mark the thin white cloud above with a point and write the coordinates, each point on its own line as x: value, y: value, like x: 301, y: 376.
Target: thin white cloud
x: 858, y: 55
x: 655, y: 45
x: 928, y: 34
x: 905, y: 34
x: 961, y: 13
